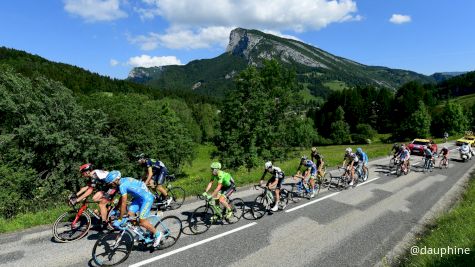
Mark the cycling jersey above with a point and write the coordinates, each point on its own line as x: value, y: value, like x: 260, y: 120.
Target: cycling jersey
x: 444, y: 151
x: 351, y: 157
x: 318, y: 158
x: 362, y: 157
x: 223, y: 178
x: 404, y: 155
x: 96, y: 180
x: 276, y: 173
x: 312, y: 167
x: 427, y: 153
x: 136, y: 188
x: 158, y: 169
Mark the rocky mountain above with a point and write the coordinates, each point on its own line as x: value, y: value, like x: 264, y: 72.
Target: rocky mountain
x: 442, y: 76
x: 317, y: 70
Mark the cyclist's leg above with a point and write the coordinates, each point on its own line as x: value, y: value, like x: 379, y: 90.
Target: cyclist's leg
x: 144, y: 206
x: 159, y: 180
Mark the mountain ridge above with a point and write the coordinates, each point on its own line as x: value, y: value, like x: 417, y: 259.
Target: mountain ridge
x: 315, y: 67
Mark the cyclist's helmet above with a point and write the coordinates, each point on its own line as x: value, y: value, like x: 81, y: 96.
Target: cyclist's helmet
x: 359, y: 150
x: 314, y: 149
x: 303, y: 158
x: 268, y: 165
x: 85, y: 168
x: 216, y: 165
x: 348, y: 150
x: 112, y: 176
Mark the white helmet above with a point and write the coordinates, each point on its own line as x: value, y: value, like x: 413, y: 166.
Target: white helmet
x: 268, y: 165
x: 348, y: 150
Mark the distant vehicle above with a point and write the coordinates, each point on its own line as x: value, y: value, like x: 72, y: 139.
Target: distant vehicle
x: 469, y: 139
x: 417, y: 146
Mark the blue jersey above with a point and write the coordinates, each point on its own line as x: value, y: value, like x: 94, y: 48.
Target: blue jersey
x: 134, y: 187
x: 362, y: 156
x: 311, y: 166
x: 156, y: 165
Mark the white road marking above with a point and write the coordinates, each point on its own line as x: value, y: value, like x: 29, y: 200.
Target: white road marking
x: 141, y: 263
x: 369, y: 181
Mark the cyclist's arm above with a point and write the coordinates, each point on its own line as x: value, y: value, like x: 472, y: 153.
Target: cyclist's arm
x: 320, y: 167
x: 84, y: 193
x: 264, y: 176
x: 123, y: 205
x: 218, y: 187
x: 209, y: 186
x: 149, y: 175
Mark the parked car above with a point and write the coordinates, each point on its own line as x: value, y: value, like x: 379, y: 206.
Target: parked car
x: 417, y: 146
x: 469, y: 139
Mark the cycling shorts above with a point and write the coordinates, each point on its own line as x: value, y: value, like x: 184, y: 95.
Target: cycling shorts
x: 227, y: 191
x: 142, y: 206
x: 279, y: 182
x: 159, y: 176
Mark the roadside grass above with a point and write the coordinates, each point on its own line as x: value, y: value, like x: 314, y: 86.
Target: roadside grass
x: 455, y: 229
x: 31, y: 219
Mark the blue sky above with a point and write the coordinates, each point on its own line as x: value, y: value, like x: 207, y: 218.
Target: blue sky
x: 110, y: 37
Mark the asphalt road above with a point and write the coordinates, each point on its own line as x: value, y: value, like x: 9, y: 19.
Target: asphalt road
x: 354, y: 227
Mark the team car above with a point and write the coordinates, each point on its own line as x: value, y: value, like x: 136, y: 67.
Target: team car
x: 417, y: 146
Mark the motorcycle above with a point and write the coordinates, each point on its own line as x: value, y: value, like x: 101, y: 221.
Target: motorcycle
x: 465, y: 155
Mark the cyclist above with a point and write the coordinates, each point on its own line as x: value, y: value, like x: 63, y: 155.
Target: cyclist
x: 157, y: 171
x: 275, y: 181
x: 309, y: 173
x: 428, y: 155
x: 225, y: 187
x: 351, y: 160
x: 142, y: 201
x: 397, y: 150
x: 362, y: 161
x: 446, y: 136
x: 445, y: 153
x: 404, y: 157
x: 318, y: 159
x: 104, y: 194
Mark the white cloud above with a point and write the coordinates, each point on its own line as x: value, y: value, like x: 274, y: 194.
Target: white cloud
x: 205, y: 23
x: 148, y: 61
x: 399, y: 19
x: 182, y: 38
x: 296, y: 15
x: 114, y: 62
x: 95, y: 10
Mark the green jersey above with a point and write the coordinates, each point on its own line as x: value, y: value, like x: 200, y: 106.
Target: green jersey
x: 223, y: 178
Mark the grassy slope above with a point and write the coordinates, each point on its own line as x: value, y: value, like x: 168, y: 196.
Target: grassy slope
x: 454, y: 229
x: 466, y: 101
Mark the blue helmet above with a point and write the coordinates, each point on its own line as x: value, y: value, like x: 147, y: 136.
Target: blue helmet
x: 359, y: 150
x: 112, y: 176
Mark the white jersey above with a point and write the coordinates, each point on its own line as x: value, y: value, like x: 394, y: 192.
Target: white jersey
x: 99, y: 174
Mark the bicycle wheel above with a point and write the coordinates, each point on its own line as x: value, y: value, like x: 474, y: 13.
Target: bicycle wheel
x: 260, y: 207
x: 113, y: 248
x: 65, y: 231
x: 238, y: 206
x: 178, y: 197
x: 171, y: 227
x: 398, y: 170
x: 201, y: 219
x: 294, y: 195
x: 392, y: 163
x: 284, y: 199
x: 325, y: 180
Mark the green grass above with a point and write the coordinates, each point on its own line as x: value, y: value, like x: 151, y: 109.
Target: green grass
x: 453, y: 229
x: 307, y: 96
x: 336, y: 85
x: 31, y: 219
x: 466, y: 101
